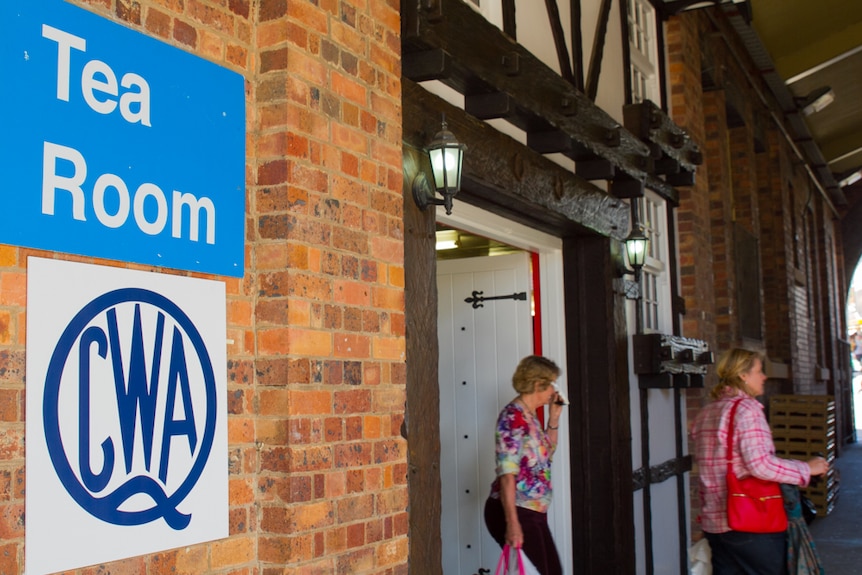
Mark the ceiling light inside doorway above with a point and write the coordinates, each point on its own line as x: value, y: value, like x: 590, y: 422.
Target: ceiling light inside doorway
x: 448, y: 240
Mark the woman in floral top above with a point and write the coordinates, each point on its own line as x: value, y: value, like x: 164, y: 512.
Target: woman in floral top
x: 516, y: 510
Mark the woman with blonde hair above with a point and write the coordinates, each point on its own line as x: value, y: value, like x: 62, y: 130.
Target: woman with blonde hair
x: 516, y: 512
x: 741, y: 379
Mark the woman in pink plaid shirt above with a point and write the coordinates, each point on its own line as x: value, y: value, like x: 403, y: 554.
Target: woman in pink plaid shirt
x: 741, y: 375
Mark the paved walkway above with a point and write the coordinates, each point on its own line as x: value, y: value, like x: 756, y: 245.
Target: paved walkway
x: 838, y: 536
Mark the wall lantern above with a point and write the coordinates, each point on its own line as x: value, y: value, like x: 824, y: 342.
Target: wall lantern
x: 446, y: 155
x: 636, y: 249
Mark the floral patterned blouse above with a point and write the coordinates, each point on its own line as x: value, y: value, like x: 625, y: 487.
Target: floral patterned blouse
x: 524, y: 450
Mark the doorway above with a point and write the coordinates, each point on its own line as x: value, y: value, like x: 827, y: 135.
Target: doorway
x: 480, y: 343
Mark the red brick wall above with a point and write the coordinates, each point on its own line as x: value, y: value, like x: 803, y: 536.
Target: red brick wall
x: 774, y: 256
x: 688, y: 109
x: 315, y: 336
x: 721, y: 204
x: 693, y: 110
x: 751, y: 178
x: 326, y: 239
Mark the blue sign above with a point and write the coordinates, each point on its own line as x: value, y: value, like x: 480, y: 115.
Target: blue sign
x: 116, y: 145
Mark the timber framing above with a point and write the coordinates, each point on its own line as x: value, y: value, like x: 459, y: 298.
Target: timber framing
x: 446, y: 40
x: 508, y: 178
x: 674, y: 154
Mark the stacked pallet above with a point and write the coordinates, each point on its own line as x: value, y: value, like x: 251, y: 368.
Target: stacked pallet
x: 803, y: 426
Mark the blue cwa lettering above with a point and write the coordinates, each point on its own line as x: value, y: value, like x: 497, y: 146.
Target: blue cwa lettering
x: 135, y: 394
x: 130, y: 348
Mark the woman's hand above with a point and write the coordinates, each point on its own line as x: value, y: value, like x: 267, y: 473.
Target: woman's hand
x: 818, y: 465
x: 554, y: 411
x: 514, y: 534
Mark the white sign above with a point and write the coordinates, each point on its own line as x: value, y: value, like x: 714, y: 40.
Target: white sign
x: 126, y: 414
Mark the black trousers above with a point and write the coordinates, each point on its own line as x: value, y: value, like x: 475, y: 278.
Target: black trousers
x: 538, y: 543
x: 738, y: 553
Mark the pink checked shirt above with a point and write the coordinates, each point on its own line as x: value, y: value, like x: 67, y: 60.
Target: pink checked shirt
x: 753, y: 454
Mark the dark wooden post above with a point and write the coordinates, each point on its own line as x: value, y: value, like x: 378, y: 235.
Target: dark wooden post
x: 600, y: 420
x: 422, y: 419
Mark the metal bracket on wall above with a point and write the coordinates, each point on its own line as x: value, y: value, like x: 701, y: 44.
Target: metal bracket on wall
x: 670, y: 361
x: 478, y: 298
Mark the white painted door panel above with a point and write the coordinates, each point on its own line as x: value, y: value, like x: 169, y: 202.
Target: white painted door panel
x: 479, y: 349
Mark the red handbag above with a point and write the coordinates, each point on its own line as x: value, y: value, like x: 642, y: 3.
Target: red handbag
x: 754, y: 505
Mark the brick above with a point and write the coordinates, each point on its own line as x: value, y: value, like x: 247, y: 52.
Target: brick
x: 12, y: 443
x: 9, y: 558
x: 14, y: 288
x: 393, y: 348
x: 349, y: 88
x: 392, y: 552
x: 356, y: 508
x: 353, y: 455
x: 11, y: 521
x: 274, y: 402
x: 296, y: 341
x: 351, y: 345
x: 352, y: 293
x: 352, y: 401
x: 387, y: 250
x: 238, y: 520
x: 388, y: 451
x: 350, y: 139
x: 371, y: 373
x: 310, y: 458
x: 232, y: 551
x: 240, y: 430
x: 10, y: 403
x: 353, y: 428
x: 239, y: 312
x: 310, y: 402
x: 6, y: 486
x: 271, y: 431
x: 184, y: 33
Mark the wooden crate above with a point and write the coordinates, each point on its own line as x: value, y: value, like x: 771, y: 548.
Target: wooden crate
x: 802, y: 411
x: 824, y: 494
x: 803, y: 426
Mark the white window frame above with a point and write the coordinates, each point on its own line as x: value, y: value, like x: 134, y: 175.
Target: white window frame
x: 643, y: 52
x: 655, y: 275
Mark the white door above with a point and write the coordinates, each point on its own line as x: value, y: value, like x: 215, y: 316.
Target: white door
x: 479, y: 350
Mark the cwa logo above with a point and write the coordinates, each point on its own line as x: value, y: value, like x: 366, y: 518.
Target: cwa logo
x: 129, y: 408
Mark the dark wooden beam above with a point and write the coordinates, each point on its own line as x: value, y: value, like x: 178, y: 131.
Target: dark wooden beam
x: 490, y: 106
x: 507, y: 177
x: 426, y: 65
x: 559, y: 40
x: 666, y: 165
x: 627, y: 188
x: 595, y: 68
x: 509, y: 27
x: 577, y: 44
x: 485, y: 60
x: 550, y: 142
x: 652, y: 125
x: 683, y: 178
x: 598, y: 169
